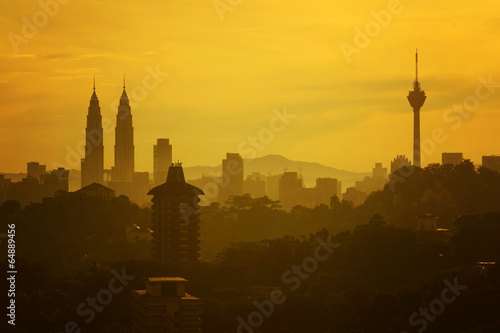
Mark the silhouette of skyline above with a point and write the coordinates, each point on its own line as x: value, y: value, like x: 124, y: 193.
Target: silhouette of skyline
x: 226, y: 87
x: 374, y: 222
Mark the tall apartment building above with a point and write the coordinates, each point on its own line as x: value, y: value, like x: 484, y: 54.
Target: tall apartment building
x: 255, y: 185
x: 162, y: 159
x: 176, y: 220
x: 232, y: 177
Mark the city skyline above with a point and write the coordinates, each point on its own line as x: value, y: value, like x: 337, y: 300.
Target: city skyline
x: 228, y: 94
x: 250, y: 166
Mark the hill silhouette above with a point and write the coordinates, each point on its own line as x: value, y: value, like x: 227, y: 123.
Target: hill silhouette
x: 277, y: 164
x: 266, y: 165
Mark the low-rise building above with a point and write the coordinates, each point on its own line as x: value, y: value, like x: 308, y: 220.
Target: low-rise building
x: 165, y: 307
x: 97, y: 190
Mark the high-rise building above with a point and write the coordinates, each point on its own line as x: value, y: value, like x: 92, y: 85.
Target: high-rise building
x: 290, y: 190
x: 379, y: 176
x: 491, y: 162
x: 328, y: 187
x: 122, y: 173
x: 92, y: 166
x: 293, y: 193
x: 255, y: 185
x: 35, y: 169
x: 355, y: 196
x: 399, y: 162
x: 4, y: 187
x: 162, y: 159
x: 140, y: 187
x: 124, y: 141
x: 33, y: 189
x: 232, y: 177
x: 273, y: 187
x: 164, y: 306
x: 416, y: 97
x: 176, y: 228
x: 374, y: 183
x: 54, y: 181
x: 452, y: 158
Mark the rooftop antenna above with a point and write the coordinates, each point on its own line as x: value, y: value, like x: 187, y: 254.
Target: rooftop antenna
x: 416, y: 65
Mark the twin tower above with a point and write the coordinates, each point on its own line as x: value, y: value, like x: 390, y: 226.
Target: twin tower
x: 122, y: 174
x: 92, y: 167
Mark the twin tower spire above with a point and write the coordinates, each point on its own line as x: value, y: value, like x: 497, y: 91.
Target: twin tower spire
x: 92, y: 165
x: 124, y: 93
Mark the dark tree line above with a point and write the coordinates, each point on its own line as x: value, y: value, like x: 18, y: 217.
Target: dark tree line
x: 380, y: 274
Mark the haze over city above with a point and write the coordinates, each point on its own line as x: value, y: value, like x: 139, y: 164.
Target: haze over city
x: 250, y: 166
x: 225, y: 78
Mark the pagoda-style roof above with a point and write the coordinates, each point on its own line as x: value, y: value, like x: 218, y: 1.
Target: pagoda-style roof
x: 175, y: 184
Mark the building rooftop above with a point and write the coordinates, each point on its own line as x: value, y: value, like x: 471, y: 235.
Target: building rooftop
x: 95, y: 185
x: 143, y: 293
x: 175, y: 184
x: 166, y: 279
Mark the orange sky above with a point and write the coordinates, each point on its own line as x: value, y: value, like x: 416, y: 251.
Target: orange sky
x: 225, y: 78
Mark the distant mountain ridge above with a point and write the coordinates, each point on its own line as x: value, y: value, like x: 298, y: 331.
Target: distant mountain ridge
x: 277, y: 164
x: 266, y: 165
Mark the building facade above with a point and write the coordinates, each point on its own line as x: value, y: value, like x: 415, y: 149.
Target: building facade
x: 232, y: 177
x: 492, y: 162
x: 122, y: 173
x: 356, y: 197
x: 35, y: 169
x: 162, y: 159
x: 165, y: 307
x: 97, y: 190
x: 92, y: 166
x: 255, y: 185
x: 176, y: 229
x: 290, y: 190
x: 374, y: 183
x: 399, y: 162
x: 33, y: 189
x: 452, y: 158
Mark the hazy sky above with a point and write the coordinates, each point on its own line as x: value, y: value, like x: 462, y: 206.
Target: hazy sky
x: 229, y: 68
